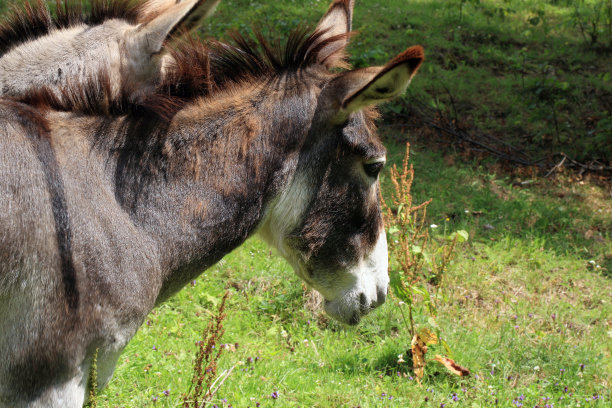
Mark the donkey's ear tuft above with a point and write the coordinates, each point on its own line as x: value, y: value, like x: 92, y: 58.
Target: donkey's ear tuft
x: 161, y: 18
x: 386, y: 83
x: 334, y: 28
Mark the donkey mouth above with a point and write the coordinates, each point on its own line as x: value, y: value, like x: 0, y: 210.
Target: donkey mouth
x: 348, y: 311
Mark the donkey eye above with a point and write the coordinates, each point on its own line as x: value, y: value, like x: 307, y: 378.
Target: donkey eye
x: 372, y: 169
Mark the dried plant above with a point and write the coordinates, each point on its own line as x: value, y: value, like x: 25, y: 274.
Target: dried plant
x: 205, y: 366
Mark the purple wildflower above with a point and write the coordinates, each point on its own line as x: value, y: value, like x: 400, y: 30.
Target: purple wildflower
x: 154, y: 399
x: 154, y: 348
x: 274, y: 395
x: 581, y: 366
x: 166, y: 392
x: 257, y: 404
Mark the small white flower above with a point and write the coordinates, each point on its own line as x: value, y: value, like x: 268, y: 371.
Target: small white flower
x: 592, y: 262
x: 536, y: 368
x: 433, y: 226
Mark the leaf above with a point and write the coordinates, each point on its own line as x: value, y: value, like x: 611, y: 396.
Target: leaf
x: 452, y: 366
x: 419, y: 349
x: 447, y: 348
x: 212, y: 299
x: 463, y: 234
x: 399, y: 289
x: 428, y: 336
x: 393, y: 230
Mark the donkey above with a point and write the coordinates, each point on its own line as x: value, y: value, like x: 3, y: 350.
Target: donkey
x: 125, y: 40
x: 104, y: 213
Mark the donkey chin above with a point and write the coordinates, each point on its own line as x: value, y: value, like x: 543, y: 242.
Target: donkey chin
x: 351, y: 293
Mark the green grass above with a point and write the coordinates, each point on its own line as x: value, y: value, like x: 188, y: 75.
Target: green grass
x: 523, y: 308
x: 518, y: 70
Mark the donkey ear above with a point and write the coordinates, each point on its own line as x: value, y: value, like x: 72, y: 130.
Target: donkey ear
x: 371, y: 86
x: 161, y: 18
x: 335, y: 24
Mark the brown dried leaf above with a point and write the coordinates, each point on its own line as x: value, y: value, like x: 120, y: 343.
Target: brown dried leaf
x: 452, y: 366
x: 419, y: 349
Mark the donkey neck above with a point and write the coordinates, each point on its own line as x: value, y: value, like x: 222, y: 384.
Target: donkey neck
x: 208, y: 179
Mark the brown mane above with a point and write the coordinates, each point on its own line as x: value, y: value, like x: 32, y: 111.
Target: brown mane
x: 199, y: 70
x: 33, y: 19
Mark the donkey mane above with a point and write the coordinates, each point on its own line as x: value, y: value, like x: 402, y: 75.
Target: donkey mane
x: 199, y: 69
x: 33, y: 19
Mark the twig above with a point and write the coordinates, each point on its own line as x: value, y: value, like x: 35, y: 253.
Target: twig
x: 554, y: 169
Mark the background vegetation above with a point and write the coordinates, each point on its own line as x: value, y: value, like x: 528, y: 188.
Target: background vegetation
x: 511, y: 127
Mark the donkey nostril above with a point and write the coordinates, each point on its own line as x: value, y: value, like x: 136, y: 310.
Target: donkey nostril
x: 381, y: 296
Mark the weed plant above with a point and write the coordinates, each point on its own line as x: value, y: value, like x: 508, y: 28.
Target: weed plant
x: 205, y: 383
x: 418, y: 263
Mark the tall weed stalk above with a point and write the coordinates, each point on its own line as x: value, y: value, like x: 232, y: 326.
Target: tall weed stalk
x: 418, y: 262
x: 205, y: 366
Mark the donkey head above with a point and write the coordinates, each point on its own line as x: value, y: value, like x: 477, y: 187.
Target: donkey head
x: 327, y: 222
x: 124, y: 42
